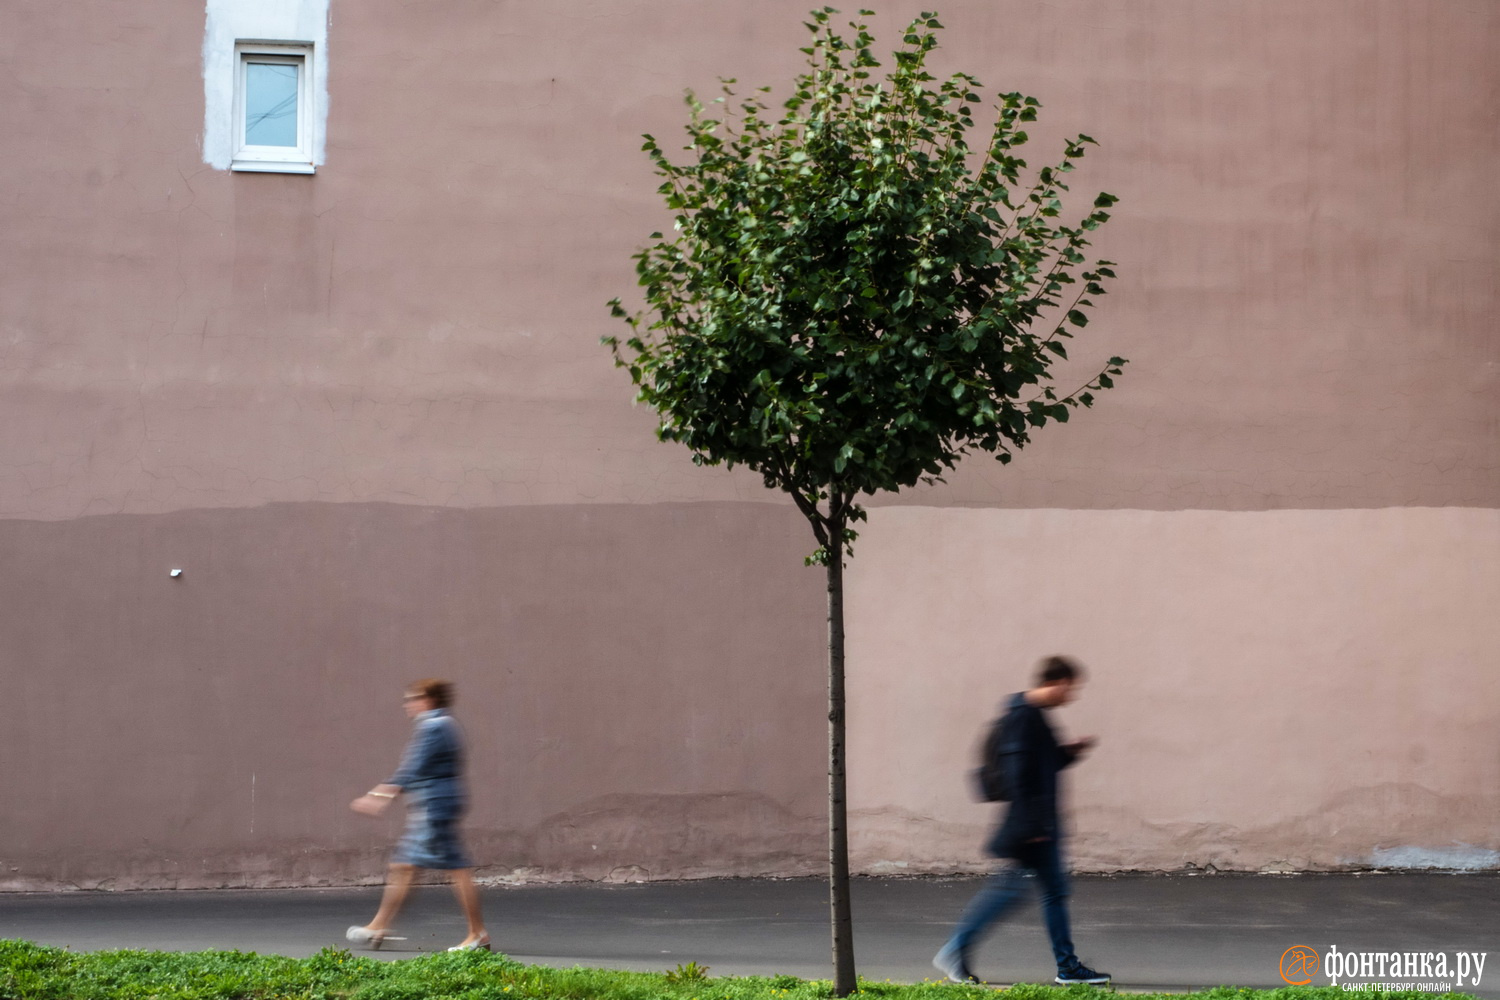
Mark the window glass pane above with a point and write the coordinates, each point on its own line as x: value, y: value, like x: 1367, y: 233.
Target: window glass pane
x: 271, y: 104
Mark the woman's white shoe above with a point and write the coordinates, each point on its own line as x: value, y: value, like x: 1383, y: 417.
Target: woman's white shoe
x: 370, y: 939
x: 478, y: 944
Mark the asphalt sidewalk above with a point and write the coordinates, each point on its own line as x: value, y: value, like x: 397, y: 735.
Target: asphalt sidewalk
x: 1152, y: 932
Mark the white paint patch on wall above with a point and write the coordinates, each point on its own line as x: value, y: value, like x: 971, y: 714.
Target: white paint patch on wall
x: 1460, y: 857
x: 230, y: 21
x: 1272, y: 690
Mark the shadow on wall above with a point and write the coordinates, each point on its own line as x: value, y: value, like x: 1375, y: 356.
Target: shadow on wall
x: 640, y: 686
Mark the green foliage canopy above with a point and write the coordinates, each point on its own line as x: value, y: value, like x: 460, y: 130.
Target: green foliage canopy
x: 855, y: 296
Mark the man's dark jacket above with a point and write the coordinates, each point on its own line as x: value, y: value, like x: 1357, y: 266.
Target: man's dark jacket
x: 1032, y: 758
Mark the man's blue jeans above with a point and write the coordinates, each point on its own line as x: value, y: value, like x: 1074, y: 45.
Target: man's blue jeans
x: 1002, y: 892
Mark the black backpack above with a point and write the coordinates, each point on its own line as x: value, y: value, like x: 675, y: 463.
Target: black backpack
x: 992, y: 778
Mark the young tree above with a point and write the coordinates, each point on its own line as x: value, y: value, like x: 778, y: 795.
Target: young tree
x: 854, y: 298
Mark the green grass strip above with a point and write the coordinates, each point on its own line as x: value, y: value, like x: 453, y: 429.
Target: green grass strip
x: 34, y: 972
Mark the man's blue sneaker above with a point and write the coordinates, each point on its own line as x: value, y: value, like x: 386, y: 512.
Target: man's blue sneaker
x: 1080, y: 973
x: 952, y: 963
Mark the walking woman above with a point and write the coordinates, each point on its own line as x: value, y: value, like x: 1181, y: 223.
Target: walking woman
x: 431, y: 776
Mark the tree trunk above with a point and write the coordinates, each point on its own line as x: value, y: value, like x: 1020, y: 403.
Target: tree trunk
x: 844, y: 980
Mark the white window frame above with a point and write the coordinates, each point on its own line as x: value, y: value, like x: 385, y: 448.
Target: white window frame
x: 275, y: 159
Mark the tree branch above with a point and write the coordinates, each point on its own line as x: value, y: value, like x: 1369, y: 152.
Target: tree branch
x: 1092, y: 383
x: 1058, y: 329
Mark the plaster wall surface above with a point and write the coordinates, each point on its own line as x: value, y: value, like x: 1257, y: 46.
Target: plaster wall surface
x: 1272, y: 690
x: 367, y: 411
x: 1307, y: 233
x: 211, y: 729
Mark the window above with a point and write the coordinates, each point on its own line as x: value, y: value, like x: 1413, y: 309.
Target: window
x: 273, y: 112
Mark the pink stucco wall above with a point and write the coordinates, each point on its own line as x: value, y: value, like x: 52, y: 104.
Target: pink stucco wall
x: 1271, y: 690
x: 367, y: 412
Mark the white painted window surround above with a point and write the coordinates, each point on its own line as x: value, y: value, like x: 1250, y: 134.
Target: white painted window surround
x: 256, y: 55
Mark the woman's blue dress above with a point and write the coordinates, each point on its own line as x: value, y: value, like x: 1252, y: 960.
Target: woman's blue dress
x: 431, y: 775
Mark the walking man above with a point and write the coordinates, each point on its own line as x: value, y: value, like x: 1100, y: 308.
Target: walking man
x: 1030, y: 835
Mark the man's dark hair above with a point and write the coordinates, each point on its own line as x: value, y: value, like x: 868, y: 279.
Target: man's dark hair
x: 1057, y: 668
